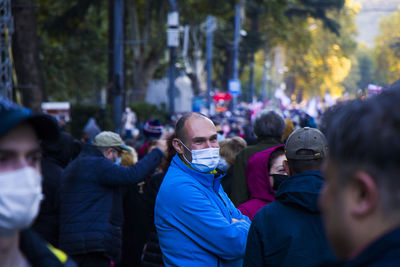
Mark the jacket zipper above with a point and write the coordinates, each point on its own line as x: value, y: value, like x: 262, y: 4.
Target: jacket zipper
x: 225, y: 205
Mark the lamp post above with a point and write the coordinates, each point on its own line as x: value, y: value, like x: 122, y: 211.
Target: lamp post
x: 172, y: 43
x: 234, y: 83
x: 211, y: 26
x: 118, y: 73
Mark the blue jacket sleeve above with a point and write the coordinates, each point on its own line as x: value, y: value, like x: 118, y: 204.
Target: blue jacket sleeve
x: 236, y: 214
x: 114, y: 175
x: 203, y: 222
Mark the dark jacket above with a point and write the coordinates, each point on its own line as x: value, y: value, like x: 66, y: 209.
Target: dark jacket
x: 383, y: 252
x: 289, y: 232
x: 152, y: 255
x: 139, y: 224
x: 240, y: 191
x: 47, y: 222
x: 91, y: 205
x: 56, y: 156
x: 39, y: 254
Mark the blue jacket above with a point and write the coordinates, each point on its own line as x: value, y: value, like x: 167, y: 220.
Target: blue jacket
x: 289, y: 231
x: 193, y: 217
x: 90, y: 201
x: 383, y: 252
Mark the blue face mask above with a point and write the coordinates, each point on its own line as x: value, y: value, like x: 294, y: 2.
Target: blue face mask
x: 220, y: 137
x: 118, y: 161
x: 203, y: 160
x: 223, y: 165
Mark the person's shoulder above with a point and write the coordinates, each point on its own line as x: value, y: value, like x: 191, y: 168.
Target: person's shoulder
x: 176, y: 182
x: 39, y: 253
x: 268, y: 211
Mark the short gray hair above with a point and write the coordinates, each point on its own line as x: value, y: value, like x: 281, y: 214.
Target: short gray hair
x: 268, y: 123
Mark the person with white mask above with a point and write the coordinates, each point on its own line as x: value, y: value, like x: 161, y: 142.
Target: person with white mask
x: 196, y: 222
x: 21, y: 187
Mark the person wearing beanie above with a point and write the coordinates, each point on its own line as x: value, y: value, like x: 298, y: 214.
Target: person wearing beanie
x: 152, y: 130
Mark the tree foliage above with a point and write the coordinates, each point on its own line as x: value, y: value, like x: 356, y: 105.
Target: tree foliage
x: 318, y: 59
x: 74, y: 37
x: 387, y: 50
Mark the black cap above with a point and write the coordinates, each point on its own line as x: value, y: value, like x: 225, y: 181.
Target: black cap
x: 11, y: 115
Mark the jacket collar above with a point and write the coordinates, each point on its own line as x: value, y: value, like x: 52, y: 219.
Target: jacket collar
x: 89, y: 150
x: 301, y: 190
x: 210, y: 180
x: 268, y: 140
x: 387, y: 245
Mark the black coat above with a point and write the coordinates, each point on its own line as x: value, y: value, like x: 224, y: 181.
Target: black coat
x: 56, y: 156
x: 384, y: 251
x: 138, y: 229
x: 47, y: 222
x: 38, y: 253
x: 289, y: 231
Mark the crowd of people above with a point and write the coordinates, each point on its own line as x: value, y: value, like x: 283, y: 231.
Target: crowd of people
x: 266, y: 191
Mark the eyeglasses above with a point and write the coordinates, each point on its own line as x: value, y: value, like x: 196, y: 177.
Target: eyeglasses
x: 118, y: 151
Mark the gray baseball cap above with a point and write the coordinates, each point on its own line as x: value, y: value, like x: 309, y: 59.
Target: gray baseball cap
x: 309, y: 139
x: 110, y: 139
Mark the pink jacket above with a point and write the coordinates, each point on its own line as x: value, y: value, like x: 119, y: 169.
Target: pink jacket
x: 257, y: 175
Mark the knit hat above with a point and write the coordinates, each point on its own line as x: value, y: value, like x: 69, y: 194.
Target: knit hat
x: 12, y: 115
x: 153, y: 129
x: 109, y: 139
x: 308, y: 139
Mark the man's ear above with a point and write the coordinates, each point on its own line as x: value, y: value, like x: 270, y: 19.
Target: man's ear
x: 108, y: 153
x: 364, y: 194
x: 286, y: 167
x: 177, y: 146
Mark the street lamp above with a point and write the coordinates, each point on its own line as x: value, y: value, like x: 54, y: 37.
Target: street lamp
x: 172, y: 43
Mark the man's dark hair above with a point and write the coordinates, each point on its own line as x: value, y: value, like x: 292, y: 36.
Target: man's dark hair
x: 365, y: 135
x: 180, y: 124
x: 328, y: 116
x: 268, y: 124
x: 299, y: 166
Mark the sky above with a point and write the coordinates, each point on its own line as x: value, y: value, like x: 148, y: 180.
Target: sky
x: 368, y: 19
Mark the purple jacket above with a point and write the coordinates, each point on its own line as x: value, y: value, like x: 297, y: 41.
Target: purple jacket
x: 257, y: 175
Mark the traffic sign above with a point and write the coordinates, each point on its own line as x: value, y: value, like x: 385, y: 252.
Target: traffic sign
x: 234, y: 86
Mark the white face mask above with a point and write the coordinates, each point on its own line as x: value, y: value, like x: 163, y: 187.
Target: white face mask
x: 20, y: 196
x: 203, y: 160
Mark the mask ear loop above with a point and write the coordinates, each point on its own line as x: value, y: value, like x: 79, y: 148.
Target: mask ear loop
x: 183, y: 154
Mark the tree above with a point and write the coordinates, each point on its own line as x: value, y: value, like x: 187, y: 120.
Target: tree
x: 73, y: 39
x: 386, y: 55
x: 25, y: 52
x: 365, y: 65
x: 320, y: 62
